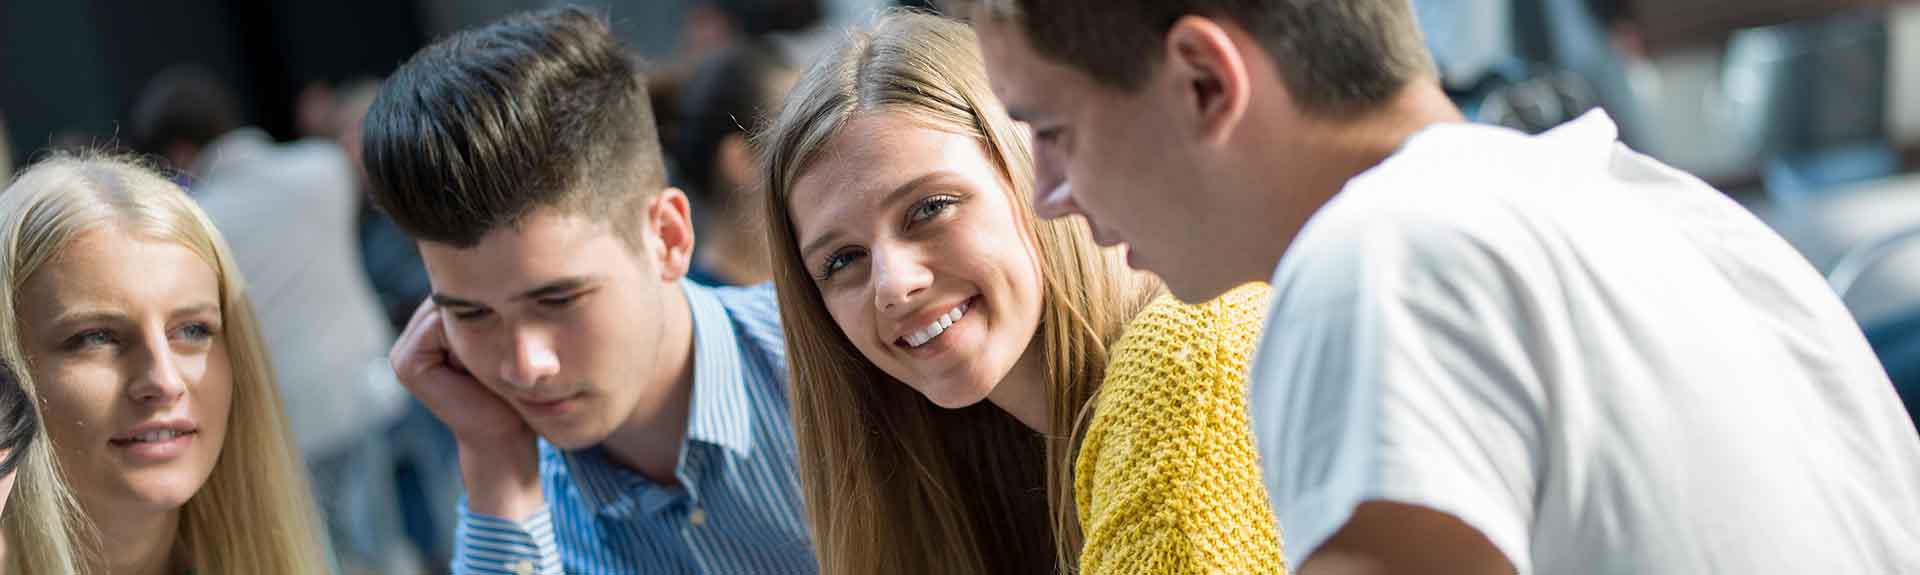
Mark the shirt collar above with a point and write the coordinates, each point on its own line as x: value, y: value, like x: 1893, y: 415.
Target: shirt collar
x: 609, y: 489
x: 721, y: 413
x: 1592, y: 135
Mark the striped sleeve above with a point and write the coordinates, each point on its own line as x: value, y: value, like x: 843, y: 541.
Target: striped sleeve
x: 488, y: 545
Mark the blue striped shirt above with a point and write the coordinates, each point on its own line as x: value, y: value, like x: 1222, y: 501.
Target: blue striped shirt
x: 737, y: 509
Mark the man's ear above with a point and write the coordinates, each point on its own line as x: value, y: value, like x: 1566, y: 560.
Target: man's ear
x: 1208, y: 77
x: 670, y: 223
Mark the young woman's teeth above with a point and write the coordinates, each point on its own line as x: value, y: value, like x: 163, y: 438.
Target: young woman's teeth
x: 156, y: 436
x: 939, y: 326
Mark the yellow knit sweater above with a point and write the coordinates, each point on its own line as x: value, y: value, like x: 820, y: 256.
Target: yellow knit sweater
x: 1168, y: 480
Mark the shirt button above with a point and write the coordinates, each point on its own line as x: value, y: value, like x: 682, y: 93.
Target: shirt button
x: 523, y: 567
x: 697, y: 517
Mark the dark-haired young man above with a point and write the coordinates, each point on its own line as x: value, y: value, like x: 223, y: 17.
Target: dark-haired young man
x: 522, y: 157
x: 1488, y: 352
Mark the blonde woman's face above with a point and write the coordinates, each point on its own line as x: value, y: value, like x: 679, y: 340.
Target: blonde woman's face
x: 915, y: 246
x: 125, y: 341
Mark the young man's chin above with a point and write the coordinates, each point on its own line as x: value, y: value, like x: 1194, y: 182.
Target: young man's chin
x: 570, y: 435
x: 1194, y: 291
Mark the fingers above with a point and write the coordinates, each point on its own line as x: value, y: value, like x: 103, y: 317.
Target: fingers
x: 422, y: 345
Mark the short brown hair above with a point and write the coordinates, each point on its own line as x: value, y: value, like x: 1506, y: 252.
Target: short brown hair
x: 544, y: 109
x: 1337, y: 57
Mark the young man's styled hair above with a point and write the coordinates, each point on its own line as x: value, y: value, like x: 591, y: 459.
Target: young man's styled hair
x: 542, y: 110
x: 1337, y: 57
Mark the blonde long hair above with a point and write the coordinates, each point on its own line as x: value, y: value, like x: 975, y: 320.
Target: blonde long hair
x: 256, y: 514
x: 895, y: 484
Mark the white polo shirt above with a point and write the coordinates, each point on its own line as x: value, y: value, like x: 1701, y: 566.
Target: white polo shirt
x: 1602, y: 364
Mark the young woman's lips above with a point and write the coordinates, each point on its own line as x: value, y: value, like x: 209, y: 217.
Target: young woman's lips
x: 935, y: 338
x: 155, y: 445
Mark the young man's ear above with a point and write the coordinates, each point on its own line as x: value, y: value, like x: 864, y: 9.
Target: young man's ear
x: 1204, y: 68
x: 670, y: 222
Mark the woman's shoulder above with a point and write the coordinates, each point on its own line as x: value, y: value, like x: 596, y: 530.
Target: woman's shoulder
x: 1167, y: 330
x: 1167, y: 468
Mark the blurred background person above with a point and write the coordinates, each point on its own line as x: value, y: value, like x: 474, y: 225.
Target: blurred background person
x: 728, y: 99
x: 793, y: 29
x: 180, y: 115
x: 425, y: 463
x: 392, y: 262
x: 291, y: 214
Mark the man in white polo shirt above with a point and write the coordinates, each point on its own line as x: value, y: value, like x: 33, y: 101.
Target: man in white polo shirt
x: 1488, y: 352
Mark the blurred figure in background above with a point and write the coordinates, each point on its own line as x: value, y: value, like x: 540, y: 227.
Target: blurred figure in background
x: 179, y: 115
x: 792, y: 28
x: 392, y: 262
x: 728, y: 99
x: 317, y: 111
x: 291, y: 212
x: 1537, y: 64
x: 423, y: 448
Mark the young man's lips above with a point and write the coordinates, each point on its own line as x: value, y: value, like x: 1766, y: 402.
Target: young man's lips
x: 548, y: 407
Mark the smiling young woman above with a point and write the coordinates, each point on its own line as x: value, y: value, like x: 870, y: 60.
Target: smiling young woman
x: 949, y: 348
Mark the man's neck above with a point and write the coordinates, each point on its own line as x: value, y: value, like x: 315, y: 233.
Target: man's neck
x: 650, y: 439
x: 1317, y: 159
x: 1358, y: 144
x: 139, y: 543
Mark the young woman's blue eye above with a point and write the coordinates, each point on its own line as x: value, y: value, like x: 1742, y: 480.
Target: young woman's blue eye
x: 931, y: 207
x: 91, y: 338
x: 196, y: 331
x: 834, y: 263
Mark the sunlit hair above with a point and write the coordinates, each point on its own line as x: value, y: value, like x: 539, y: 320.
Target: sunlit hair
x: 255, y: 515
x: 893, y: 483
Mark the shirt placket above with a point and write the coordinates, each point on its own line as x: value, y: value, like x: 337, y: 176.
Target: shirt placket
x: 696, y: 522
